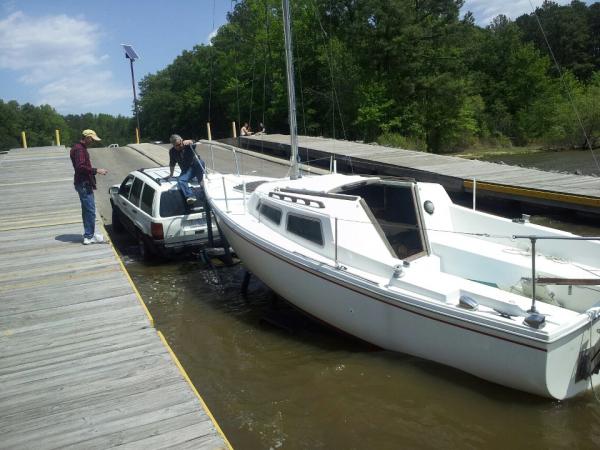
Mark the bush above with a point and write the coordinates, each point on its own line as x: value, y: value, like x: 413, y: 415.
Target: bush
x: 396, y: 140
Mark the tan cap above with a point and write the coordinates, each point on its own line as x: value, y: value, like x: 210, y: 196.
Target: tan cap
x: 92, y: 134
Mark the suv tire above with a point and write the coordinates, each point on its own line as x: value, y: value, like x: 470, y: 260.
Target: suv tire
x: 146, y: 251
x: 117, y: 225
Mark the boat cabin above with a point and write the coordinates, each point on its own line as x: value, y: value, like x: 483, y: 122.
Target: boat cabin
x: 395, y: 211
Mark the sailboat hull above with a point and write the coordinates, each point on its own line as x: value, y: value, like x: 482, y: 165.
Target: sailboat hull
x: 545, y: 369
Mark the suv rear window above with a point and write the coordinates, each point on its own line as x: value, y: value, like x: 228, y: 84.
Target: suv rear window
x: 147, y: 199
x: 172, y: 203
x: 136, y: 190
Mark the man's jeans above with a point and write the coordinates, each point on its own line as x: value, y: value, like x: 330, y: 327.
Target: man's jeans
x: 195, y: 171
x: 88, y: 209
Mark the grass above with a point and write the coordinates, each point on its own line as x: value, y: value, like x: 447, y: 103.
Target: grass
x: 482, y: 152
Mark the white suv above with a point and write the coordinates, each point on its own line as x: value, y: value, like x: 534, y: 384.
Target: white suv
x: 152, y: 208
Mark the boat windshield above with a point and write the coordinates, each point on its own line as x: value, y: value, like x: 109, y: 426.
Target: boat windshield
x: 394, y: 207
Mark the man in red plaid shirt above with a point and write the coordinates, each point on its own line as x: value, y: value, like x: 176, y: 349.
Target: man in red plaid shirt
x: 85, y: 183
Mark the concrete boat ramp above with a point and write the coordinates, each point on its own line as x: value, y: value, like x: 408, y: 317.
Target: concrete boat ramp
x: 81, y: 364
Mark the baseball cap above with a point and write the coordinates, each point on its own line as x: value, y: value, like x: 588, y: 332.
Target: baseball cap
x: 92, y: 134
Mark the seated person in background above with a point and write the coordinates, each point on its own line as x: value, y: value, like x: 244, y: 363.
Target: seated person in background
x: 245, y: 131
x: 191, y: 165
x: 261, y: 129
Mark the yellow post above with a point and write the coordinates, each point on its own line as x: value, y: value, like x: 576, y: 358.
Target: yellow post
x: 137, y: 135
x: 57, y: 135
x: 208, y: 129
x: 24, y: 139
x: 234, y: 129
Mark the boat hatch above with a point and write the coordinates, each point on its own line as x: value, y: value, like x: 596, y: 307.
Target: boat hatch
x: 250, y: 187
x: 393, y: 206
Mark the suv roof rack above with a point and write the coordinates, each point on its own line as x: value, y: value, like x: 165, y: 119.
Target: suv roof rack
x: 157, y: 179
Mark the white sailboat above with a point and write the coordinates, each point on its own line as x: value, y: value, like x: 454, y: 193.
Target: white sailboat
x: 397, y: 264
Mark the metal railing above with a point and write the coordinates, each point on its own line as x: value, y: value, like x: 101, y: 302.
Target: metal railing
x: 533, y: 239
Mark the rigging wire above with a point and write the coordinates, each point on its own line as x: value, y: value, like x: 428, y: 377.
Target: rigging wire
x: 562, y: 79
x: 252, y: 88
x: 335, y: 98
x: 237, y: 80
x: 264, y: 93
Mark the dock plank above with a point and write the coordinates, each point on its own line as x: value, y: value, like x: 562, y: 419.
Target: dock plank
x: 571, y: 191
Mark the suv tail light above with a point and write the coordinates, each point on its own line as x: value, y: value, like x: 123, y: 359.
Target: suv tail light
x: 157, y: 231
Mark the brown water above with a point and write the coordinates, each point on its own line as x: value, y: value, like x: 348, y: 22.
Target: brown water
x: 274, y: 378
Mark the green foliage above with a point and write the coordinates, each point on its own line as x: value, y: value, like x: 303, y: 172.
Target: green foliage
x: 113, y: 130
x: 39, y: 123
x: 398, y: 141
x: 574, y: 117
x: 392, y: 71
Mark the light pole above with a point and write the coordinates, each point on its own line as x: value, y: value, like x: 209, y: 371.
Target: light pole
x: 132, y: 56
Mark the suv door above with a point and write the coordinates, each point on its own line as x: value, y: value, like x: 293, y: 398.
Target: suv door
x: 132, y: 208
x: 123, y: 201
x: 145, y: 210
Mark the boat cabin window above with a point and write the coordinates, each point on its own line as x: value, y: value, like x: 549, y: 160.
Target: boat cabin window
x: 305, y: 227
x: 273, y: 214
x: 395, y: 208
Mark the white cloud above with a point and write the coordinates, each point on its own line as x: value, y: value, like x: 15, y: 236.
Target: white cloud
x: 58, y: 57
x: 212, y: 34
x: 486, y: 10
x: 69, y: 92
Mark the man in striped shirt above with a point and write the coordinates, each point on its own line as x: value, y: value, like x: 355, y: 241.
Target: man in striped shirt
x: 85, y: 183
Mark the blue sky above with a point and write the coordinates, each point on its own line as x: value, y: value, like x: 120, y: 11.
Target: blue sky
x: 67, y: 53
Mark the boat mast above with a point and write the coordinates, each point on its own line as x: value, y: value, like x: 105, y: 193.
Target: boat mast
x: 289, y: 63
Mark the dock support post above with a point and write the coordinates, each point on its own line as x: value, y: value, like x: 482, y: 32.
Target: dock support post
x: 246, y: 283
x: 207, y: 211
x: 474, y: 193
x: 137, y: 135
x: 23, y: 139
x: 57, y: 136
x: 234, y: 129
x: 228, y: 259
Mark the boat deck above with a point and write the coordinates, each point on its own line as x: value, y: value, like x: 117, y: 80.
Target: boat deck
x: 576, y: 192
x: 81, y: 364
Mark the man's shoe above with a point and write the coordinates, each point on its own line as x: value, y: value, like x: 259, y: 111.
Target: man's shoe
x: 191, y: 200
x: 95, y: 239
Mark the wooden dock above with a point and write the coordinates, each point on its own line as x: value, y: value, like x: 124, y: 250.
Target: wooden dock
x: 570, y: 191
x: 81, y: 364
